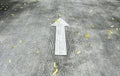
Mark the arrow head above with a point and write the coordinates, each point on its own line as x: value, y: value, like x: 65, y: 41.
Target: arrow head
x: 60, y: 22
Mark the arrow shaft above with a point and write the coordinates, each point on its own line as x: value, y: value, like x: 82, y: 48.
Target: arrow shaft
x: 60, y: 42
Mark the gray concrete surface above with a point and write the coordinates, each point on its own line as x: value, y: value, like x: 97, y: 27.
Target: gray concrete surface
x: 27, y: 38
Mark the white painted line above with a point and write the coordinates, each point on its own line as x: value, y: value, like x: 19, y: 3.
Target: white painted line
x: 60, y: 42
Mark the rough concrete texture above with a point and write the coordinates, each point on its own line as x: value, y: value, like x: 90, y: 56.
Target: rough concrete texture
x: 27, y: 39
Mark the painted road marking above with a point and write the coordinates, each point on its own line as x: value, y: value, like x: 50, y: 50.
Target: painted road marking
x: 60, y: 42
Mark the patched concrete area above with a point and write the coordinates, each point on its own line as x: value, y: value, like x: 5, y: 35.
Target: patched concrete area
x: 27, y: 39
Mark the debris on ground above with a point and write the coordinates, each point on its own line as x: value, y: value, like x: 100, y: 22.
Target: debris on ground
x: 3, y: 7
x: 109, y: 37
x: 117, y: 29
x: 112, y: 26
x: 10, y: 61
x: 92, y: 26
x: 59, y: 14
x: 14, y: 46
x: 78, y: 52
x: 57, y: 21
x: 90, y: 11
x: 110, y: 32
x: 37, y: 52
x: 78, y: 33
x: 90, y: 44
x: 12, y: 14
x: 25, y: 4
x: 20, y: 41
x: 21, y: 7
x: 113, y: 19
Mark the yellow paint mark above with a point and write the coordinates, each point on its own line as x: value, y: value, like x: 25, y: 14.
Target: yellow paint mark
x: 110, y: 32
x: 87, y: 36
x: 10, y: 61
x: 78, y: 52
x: 55, y: 65
x: 55, y: 72
x: 14, y: 46
x: 57, y: 21
x: 55, y: 69
x: 20, y: 41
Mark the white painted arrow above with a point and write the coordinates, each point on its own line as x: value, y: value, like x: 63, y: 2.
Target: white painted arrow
x: 60, y: 42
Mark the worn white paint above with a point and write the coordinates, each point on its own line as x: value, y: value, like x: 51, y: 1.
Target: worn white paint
x: 60, y: 42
